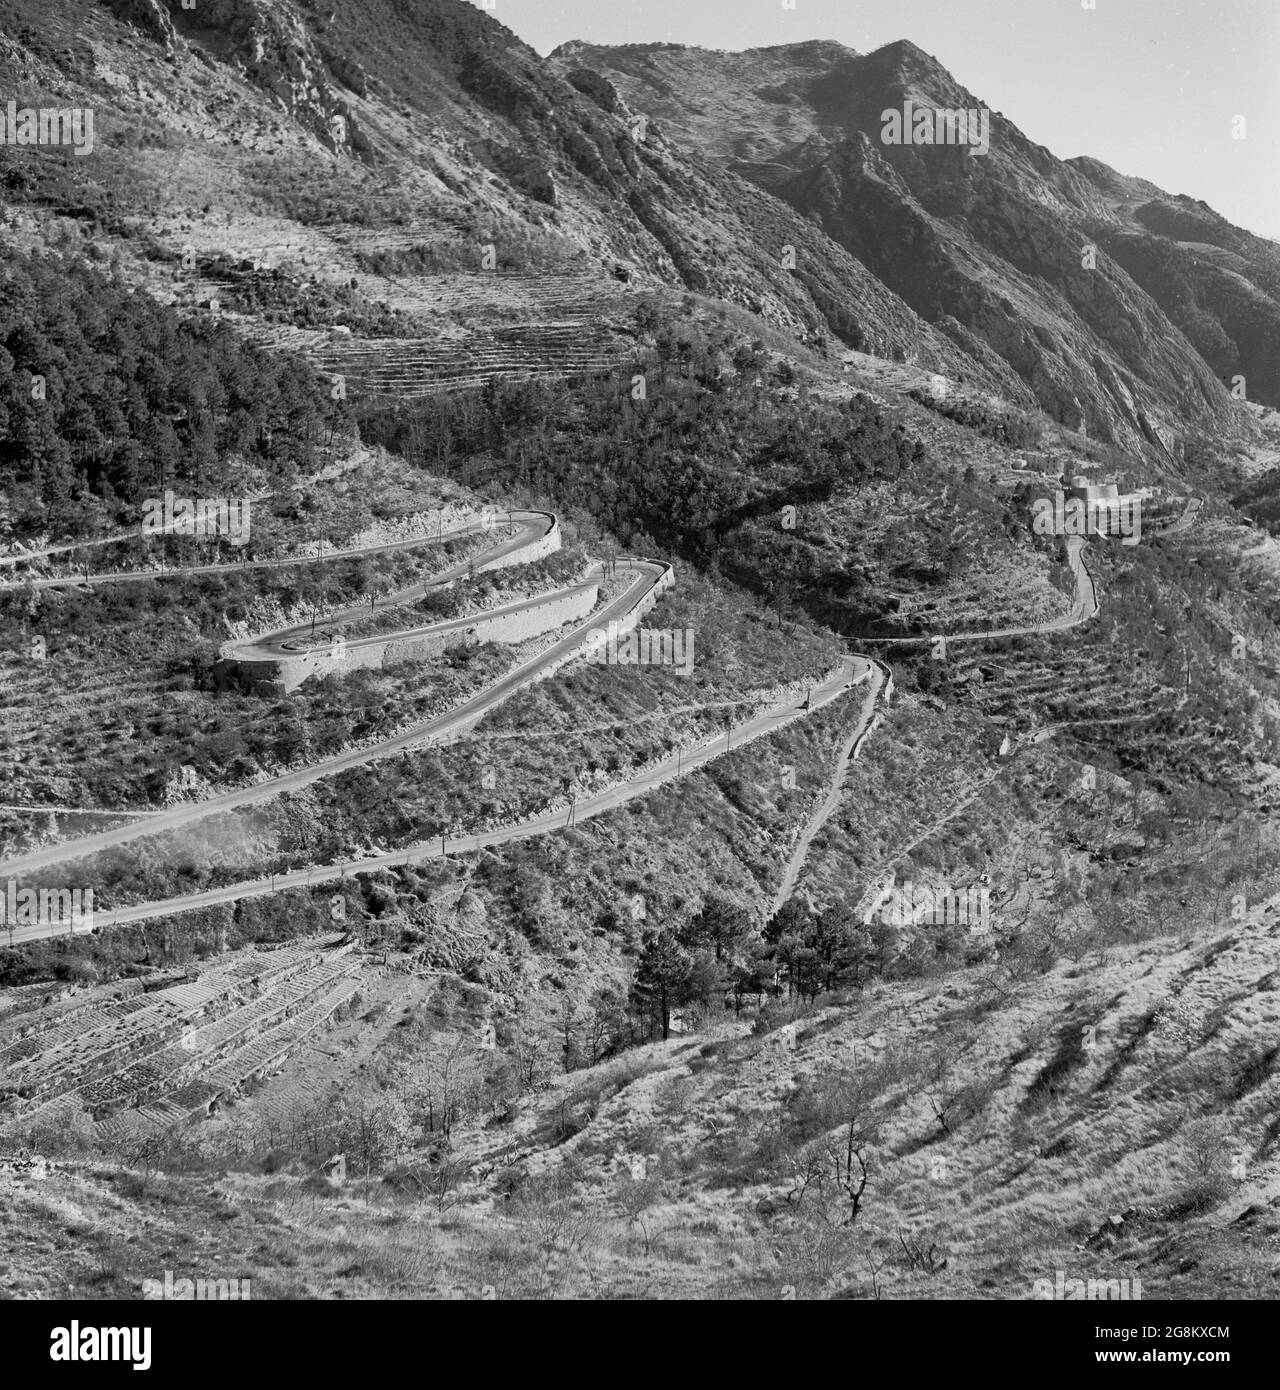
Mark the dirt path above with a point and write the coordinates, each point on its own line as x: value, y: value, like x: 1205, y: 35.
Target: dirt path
x: 827, y: 806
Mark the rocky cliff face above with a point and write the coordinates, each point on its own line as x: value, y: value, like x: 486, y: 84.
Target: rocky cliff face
x: 151, y: 16
x: 273, y: 47
x: 1129, y: 342
x: 1218, y: 284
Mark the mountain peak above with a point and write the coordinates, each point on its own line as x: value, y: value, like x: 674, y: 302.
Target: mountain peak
x: 909, y: 57
x: 823, y: 51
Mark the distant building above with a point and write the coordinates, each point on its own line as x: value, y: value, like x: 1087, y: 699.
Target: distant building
x: 1083, y: 508
x: 1116, y: 512
x: 1086, y: 491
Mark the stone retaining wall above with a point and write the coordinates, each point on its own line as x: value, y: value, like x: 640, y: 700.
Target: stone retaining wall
x: 277, y: 676
x: 286, y: 674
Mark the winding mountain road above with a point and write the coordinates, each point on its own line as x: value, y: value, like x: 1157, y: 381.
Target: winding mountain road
x: 649, y: 575
x: 91, y: 581
x: 1083, y: 607
x: 851, y: 672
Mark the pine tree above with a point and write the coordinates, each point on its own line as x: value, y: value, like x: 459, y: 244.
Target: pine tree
x: 722, y: 926
x: 662, y: 980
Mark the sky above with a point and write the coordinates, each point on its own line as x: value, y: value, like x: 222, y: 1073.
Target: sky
x: 1151, y: 87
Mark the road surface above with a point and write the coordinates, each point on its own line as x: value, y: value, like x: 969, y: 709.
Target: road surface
x: 852, y: 671
x: 646, y: 576
x: 1083, y: 607
x: 303, y: 637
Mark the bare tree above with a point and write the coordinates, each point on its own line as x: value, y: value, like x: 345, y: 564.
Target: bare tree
x: 443, y: 1083
x: 845, y: 1118
x: 950, y: 1097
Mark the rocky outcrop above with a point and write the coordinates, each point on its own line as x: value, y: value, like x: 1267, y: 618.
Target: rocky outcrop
x: 277, y: 53
x: 457, y: 934
x: 347, y: 71
x: 599, y: 89
x: 529, y: 172
x: 150, y: 16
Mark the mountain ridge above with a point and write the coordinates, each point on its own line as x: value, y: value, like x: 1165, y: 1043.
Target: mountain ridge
x: 1006, y: 231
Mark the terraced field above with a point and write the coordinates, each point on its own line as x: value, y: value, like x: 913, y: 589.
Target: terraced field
x: 485, y: 326
x: 135, y: 1060
x: 532, y: 298
x: 46, y: 699
x: 412, y: 367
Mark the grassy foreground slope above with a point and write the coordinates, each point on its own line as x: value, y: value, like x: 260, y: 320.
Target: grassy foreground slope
x: 1110, y: 1120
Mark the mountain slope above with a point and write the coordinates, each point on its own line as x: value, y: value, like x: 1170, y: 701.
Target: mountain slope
x: 330, y: 133
x: 988, y: 245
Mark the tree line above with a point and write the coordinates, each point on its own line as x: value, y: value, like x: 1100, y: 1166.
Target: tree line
x: 675, y: 452
x: 107, y: 396
x: 719, y: 957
